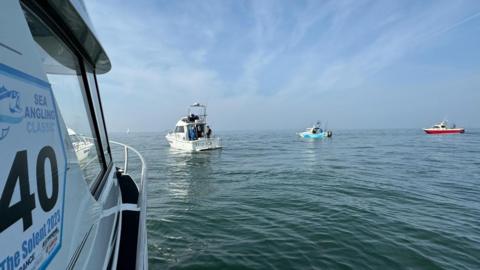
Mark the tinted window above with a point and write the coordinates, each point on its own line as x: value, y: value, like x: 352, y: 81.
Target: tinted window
x: 64, y: 74
x: 179, y: 129
x: 98, y: 113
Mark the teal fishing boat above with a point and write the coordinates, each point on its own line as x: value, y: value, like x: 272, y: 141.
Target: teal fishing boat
x: 315, y: 132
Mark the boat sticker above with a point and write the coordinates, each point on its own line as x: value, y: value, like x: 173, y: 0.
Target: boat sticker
x: 32, y: 172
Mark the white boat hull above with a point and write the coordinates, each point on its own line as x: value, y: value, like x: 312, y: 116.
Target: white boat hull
x: 83, y: 151
x: 54, y: 214
x: 200, y: 144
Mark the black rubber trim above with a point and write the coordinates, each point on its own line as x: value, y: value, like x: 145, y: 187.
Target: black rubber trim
x: 127, y: 253
x: 128, y: 188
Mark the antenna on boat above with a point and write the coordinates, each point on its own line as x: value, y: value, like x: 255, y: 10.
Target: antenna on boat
x: 204, y: 113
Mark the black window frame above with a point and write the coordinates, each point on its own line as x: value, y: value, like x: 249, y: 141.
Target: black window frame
x: 89, y: 69
x: 47, y: 15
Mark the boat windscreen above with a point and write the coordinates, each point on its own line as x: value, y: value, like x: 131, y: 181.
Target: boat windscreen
x: 179, y: 129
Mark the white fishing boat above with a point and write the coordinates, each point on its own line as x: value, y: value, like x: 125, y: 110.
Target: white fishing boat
x: 57, y: 212
x: 81, y: 145
x: 192, y: 133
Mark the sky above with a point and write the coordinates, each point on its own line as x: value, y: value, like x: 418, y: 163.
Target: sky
x: 286, y: 64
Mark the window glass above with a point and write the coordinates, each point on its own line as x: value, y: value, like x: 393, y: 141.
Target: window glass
x: 63, y: 72
x: 98, y: 113
x: 179, y: 129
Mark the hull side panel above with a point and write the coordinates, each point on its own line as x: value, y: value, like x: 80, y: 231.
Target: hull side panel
x: 447, y: 131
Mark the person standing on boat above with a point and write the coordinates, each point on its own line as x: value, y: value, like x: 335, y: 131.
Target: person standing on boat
x: 189, y: 134
x: 209, y: 131
x: 199, y: 131
x: 192, y: 133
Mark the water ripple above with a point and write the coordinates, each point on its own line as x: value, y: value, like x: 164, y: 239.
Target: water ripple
x: 381, y: 199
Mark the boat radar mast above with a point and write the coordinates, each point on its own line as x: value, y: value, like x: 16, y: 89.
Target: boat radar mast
x: 202, y: 114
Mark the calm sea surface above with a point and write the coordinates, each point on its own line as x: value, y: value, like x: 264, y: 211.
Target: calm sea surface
x: 380, y: 199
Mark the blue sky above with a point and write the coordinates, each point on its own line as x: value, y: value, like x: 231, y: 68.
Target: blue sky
x: 285, y: 64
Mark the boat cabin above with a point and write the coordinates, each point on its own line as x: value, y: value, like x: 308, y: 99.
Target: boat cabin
x: 314, y: 130
x: 441, y: 125
x: 194, y: 125
x: 191, y: 129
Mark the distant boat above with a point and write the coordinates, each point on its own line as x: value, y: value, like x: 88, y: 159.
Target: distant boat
x: 315, y: 132
x: 442, y: 128
x: 192, y: 132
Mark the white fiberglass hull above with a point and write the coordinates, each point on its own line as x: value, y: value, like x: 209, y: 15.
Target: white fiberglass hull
x: 201, y: 144
x: 82, y: 151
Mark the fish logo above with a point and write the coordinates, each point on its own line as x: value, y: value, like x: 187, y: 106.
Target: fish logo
x: 10, y: 110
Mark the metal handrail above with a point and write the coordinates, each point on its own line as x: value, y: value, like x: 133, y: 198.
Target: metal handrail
x: 142, y: 257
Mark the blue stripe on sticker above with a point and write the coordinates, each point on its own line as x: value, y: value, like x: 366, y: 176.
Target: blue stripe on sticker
x: 20, y: 75
x: 10, y: 119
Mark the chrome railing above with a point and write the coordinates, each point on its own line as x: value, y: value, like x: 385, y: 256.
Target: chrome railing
x: 142, y: 250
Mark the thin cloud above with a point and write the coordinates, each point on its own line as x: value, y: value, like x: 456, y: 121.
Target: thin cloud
x: 246, y: 58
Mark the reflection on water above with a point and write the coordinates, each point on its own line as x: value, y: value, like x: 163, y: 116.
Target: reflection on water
x: 310, y: 153
x: 191, y: 171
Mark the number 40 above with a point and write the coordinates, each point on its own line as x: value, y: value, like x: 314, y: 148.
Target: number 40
x: 19, y: 173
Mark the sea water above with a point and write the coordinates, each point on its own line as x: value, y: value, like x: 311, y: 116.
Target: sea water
x: 363, y: 199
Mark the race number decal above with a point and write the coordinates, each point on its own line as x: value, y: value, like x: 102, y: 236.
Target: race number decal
x: 32, y: 172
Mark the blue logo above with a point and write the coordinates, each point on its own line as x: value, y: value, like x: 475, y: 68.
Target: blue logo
x: 10, y: 110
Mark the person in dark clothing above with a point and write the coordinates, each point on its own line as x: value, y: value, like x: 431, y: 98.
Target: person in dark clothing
x: 199, y: 131
x: 209, y: 131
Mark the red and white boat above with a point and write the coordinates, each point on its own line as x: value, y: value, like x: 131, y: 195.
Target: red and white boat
x: 442, y: 128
